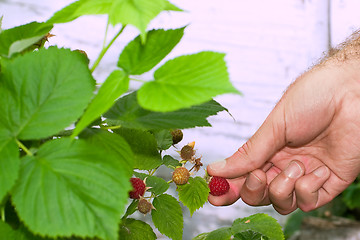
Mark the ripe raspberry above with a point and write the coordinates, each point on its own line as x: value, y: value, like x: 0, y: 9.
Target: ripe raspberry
x: 187, y: 152
x: 144, y: 206
x: 218, y: 186
x: 177, y: 136
x: 180, y: 175
x: 139, y: 188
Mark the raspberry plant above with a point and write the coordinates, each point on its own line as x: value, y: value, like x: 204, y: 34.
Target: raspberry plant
x: 69, y: 150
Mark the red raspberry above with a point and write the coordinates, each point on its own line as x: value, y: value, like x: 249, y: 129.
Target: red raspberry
x: 139, y: 188
x: 180, y: 175
x: 218, y: 186
x: 144, y: 206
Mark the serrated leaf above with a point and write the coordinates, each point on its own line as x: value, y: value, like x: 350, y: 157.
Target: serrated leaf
x: 138, y: 13
x: 144, y: 147
x: 72, y: 187
x: 114, y: 86
x: 259, y: 223
x: 19, y: 38
x: 250, y: 235
x: 157, y: 185
x: 80, y: 8
x: 171, y: 162
x: 9, y: 164
x: 131, y: 208
x: 186, y: 81
x: 138, y: 58
x: 201, y: 236
x: 167, y: 216
x: 113, y: 143
x: 221, y: 233
x: 43, y: 92
x: 128, y: 113
x: 163, y: 139
x: 131, y: 229
x: 171, y: 7
x: 194, y: 194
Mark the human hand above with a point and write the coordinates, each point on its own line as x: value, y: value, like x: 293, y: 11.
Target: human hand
x: 308, y: 149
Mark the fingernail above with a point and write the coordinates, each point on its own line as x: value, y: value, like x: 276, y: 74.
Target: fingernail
x: 253, y: 182
x: 218, y: 165
x: 293, y: 170
x: 321, y: 171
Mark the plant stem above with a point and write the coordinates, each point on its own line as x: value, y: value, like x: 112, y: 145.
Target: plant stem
x: 105, y: 49
x: 23, y: 147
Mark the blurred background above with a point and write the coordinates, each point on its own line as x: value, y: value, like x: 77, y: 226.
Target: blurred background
x: 267, y: 45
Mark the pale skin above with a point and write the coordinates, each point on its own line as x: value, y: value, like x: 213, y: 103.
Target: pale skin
x: 307, y: 151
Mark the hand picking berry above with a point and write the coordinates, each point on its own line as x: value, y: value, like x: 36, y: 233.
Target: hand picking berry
x: 139, y: 188
x: 180, y: 175
x: 144, y: 206
x: 218, y: 186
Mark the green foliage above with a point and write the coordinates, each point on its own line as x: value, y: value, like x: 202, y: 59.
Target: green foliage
x: 128, y: 113
x: 351, y: 196
x: 257, y: 226
x: 62, y: 190
x: 167, y: 216
x: 186, y: 81
x: 138, y: 58
x: 18, y: 39
x: 68, y: 150
x: 194, y: 194
x: 132, y: 229
x: 36, y: 101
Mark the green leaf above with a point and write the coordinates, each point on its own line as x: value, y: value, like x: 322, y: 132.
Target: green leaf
x: 351, y: 196
x: 171, y: 7
x: 1, y: 19
x: 131, y: 229
x: 138, y: 58
x: 6, y: 232
x: 221, y: 233
x: 19, y: 38
x: 167, y: 216
x: 250, y: 235
x: 163, y: 139
x: 115, y: 85
x: 131, y: 208
x: 144, y: 147
x: 128, y: 113
x: 194, y: 194
x: 9, y: 164
x: 201, y: 236
x: 186, y: 81
x: 157, y: 185
x: 43, y: 92
x: 171, y: 162
x: 113, y: 143
x: 259, y: 223
x: 72, y: 187
x: 138, y: 13
x: 80, y: 8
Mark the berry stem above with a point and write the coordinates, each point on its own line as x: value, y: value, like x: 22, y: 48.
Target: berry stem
x: 23, y: 147
x: 105, y: 49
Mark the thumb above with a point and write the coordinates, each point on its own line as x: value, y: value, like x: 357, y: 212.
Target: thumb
x: 267, y: 140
